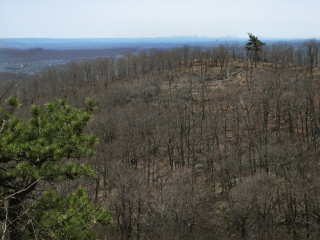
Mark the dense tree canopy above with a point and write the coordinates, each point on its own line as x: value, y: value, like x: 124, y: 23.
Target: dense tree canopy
x: 34, y: 154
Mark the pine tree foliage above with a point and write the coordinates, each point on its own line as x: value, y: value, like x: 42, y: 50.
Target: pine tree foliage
x: 254, y: 44
x: 68, y: 217
x: 46, y: 150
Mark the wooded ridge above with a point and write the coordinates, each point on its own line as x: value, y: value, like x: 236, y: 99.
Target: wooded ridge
x: 194, y: 143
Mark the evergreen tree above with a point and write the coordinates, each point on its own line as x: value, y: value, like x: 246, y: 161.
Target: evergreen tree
x: 46, y: 150
x: 254, y: 44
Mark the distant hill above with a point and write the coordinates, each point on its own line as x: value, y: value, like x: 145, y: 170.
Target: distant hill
x: 107, y: 43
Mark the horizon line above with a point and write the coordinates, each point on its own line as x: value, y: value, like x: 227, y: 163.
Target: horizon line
x: 160, y: 37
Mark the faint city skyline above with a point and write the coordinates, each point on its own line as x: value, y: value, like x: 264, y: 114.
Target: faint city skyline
x: 158, y: 18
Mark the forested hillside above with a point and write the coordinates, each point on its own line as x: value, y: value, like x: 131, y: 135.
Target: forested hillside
x: 194, y: 142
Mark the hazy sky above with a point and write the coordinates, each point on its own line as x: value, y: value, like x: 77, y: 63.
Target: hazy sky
x: 159, y: 18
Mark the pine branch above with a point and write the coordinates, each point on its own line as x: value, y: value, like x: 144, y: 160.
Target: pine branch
x: 25, y: 189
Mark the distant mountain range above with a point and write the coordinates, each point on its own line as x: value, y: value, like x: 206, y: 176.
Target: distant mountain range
x: 107, y: 43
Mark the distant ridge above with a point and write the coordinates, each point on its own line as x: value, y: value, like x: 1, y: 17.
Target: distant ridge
x: 107, y: 43
x: 103, y: 43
